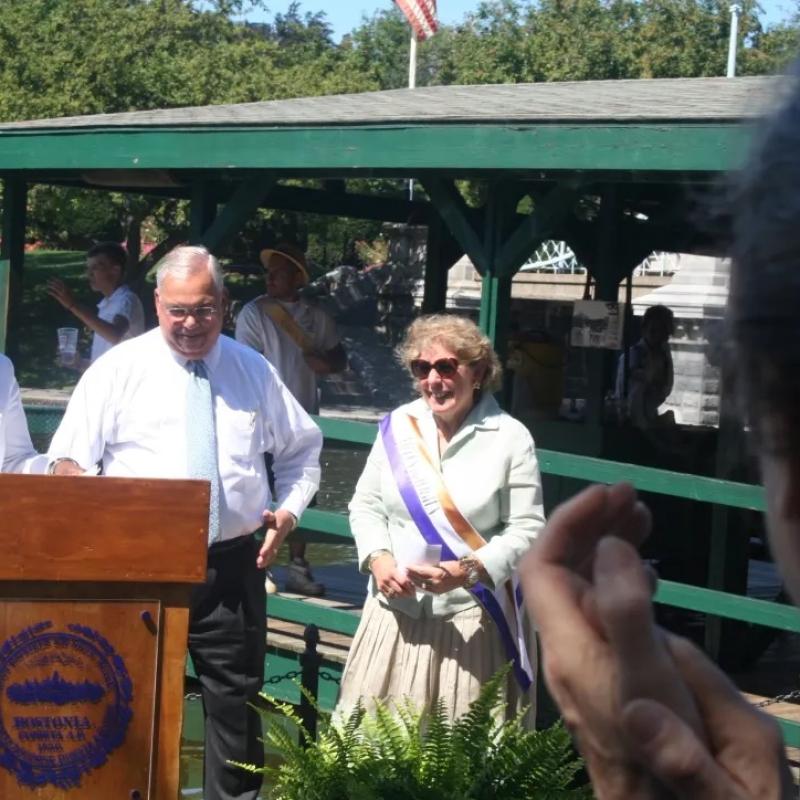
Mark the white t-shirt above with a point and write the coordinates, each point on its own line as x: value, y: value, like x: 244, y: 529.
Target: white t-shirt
x: 129, y: 411
x: 122, y: 302
x: 256, y: 329
x: 16, y: 451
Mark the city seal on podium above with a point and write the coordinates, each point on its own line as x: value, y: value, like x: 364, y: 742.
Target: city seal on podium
x: 65, y: 704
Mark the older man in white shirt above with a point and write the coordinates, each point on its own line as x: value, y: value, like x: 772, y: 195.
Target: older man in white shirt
x: 140, y: 412
x: 16, y: 450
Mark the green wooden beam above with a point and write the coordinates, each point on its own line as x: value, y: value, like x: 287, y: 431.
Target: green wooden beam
x: 356, y: 206
x: 45, y: 420
x: 244, y: 202
x: 547, y: 217
x: 456, y: 215
x: 330, y: 522
x: 344, y: 430
x: 457, y: 148
x: 723, y: 604
x: 329, y: 619
x: 650, y: 479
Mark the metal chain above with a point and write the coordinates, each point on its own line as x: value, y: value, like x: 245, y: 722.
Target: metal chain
x: 789, y: 697
x: 287, y: 677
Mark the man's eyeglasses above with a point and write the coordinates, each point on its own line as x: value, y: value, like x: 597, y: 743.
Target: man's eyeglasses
x: 445, y: 367
x: 202, y: 313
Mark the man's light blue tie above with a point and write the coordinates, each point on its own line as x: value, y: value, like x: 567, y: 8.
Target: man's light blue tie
x: 201, y: 439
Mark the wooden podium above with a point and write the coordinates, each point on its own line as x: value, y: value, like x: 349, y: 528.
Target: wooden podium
x: 95, y: 579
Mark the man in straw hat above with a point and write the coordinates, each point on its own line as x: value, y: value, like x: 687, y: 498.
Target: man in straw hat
x: 300, y: 340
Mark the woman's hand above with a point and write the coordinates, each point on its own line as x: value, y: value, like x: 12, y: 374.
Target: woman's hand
x: 391, y: 581
x: 445, y: 577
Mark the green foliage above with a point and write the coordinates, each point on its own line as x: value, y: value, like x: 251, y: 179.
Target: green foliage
x: 70, y: 57
x: 397, y: 753
x: 513, y: 41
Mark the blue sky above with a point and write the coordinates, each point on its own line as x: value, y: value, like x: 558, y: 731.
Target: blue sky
x: 344, y: 15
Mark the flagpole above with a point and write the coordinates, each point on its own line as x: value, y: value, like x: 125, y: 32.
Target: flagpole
x: 412, y: 84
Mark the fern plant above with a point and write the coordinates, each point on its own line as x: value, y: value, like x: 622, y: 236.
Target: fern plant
x: 397, y: 753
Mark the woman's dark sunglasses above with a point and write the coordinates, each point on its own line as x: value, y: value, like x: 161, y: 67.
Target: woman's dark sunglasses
x: 445, y: 367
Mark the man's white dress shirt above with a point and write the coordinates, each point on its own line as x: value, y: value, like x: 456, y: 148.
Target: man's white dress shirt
x: 129, y: 411
x: 122, y: 302
x: 255, y: 328
x: 16, y: 450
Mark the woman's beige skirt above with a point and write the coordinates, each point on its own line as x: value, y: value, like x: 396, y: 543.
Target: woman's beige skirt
x: 394, y: 656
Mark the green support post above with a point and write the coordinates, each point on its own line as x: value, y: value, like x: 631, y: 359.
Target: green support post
x: 545, y: 221
x: 244, y: 202
x: 202, y: 210
x: 606, y: 272
x: 12, y: 254
x: 495, y: 287
x: 434, y: 297
x: 456, y: 215
x: 728, y: 555
x: 494, y: 314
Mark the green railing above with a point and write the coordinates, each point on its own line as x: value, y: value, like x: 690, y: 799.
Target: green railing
x: 583, y: 468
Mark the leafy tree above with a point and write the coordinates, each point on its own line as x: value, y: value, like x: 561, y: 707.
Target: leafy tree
x: 69, y: 57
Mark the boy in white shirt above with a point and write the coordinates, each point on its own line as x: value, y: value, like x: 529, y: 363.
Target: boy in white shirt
x: 119, y: 315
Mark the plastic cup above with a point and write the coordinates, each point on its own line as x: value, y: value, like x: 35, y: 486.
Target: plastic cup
x: 67, y: 345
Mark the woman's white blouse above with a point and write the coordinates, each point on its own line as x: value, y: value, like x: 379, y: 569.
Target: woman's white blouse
x: 492, y: 474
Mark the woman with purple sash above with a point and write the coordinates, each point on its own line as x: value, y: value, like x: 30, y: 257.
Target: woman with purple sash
x: 449, y: 501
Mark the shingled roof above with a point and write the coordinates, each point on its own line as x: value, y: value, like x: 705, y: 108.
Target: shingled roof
x: 678, y: 99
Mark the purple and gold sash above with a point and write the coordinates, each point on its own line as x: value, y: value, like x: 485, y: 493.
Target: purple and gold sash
x: 285, y: 322
x: 439, y: 522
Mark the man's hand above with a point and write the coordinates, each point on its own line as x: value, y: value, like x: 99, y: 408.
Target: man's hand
x: 578, y: 662
x: 58, y: 290
x: 67, y: 466
x: 391, y: 581
x: 649, y: 712
x: 278, y: 524
x: 744, y: 758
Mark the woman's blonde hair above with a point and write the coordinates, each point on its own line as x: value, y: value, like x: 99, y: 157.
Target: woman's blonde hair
x: 459, y: 335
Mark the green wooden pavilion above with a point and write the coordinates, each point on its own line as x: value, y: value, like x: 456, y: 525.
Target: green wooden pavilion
x: 614, y: 168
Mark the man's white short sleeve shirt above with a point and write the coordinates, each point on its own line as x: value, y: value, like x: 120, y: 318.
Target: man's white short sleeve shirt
x: 122, y: 302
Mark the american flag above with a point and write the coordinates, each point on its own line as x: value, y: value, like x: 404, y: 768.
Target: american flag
x: 421, y: 15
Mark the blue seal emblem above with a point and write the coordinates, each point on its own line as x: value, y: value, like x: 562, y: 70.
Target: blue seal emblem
x: 65, y: 704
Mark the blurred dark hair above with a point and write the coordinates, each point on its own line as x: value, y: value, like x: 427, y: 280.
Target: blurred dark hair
x: 114, y: 252
x: 659, y: 313
x: 763, y: 314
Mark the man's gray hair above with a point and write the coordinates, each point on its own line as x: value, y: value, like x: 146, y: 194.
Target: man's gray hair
x: 188, y: 260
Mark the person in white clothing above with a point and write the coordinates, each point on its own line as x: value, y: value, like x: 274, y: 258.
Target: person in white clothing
x: 134, y: 411
x: 16, y: 449
x: 301, y: 341
x: 119, y: 315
